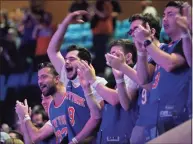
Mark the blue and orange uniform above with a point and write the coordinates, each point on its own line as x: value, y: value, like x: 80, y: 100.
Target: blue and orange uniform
x: 57, y: 117
x: 170, y: 90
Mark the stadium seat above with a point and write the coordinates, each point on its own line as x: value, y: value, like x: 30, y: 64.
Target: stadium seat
x: 13, y: 80
x: 34, y: 79
x: 3, y: 88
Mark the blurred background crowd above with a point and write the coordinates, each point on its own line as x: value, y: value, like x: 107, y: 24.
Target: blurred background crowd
x: 25, y: 33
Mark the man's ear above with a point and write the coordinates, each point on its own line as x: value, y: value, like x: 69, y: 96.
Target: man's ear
x: 128, y: 57
x: 153, y: 31
x: 57, y: 79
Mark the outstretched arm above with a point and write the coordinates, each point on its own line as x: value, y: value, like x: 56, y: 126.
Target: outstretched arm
x: 53, y: 50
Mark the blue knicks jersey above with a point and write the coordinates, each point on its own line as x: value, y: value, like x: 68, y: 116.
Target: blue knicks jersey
x: 171, y: 88
x: 58, y: 119
x: 77, y: 111
x: 147, y: 111
x: 117, y: 124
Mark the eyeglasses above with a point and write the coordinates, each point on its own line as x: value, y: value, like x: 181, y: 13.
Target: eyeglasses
x: 170, y: 14
x: 43, y: 65
x: 130, y: 32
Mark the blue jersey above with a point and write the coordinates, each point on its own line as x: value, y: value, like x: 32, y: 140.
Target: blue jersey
x: 171, y: 90
x: 117, y: 124
x: 147, y: 111
x: 58, y: 119
x: 77, y: 111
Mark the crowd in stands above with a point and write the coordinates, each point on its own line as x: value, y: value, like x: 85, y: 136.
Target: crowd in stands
x: 25, y: 35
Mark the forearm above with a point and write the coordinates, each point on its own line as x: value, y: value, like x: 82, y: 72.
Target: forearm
x: 130, y: 72
x: 88, y: 129
x: 187, y: 48
x: 109, y: 95
x: 57, y: 39
x: 94, y: 106
x: 26, y: 137
x: 143, y: 73
x: 32, y: 131
x: 163, y: 59
x: 122, y: 95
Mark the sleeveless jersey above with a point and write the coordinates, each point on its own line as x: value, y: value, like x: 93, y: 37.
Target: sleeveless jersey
x: 58, y: 119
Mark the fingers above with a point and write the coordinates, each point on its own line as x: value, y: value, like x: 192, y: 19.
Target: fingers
x: 30, y: 111
x: 81, y: 12
x: 25, y: 102
x: 148, y: 27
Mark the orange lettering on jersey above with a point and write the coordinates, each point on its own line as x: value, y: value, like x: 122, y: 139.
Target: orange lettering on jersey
x: 71, y: 112
x: 157, y: 78
x: 59, y: 121
x: 64, y: 131
x: 75, y: 99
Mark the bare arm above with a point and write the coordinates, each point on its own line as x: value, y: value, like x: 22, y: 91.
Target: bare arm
x: 54, y: 46
x: 26, y: 136
x: 53, y: 50
x: 94, y: 106
x: 184, y: 24
x: 95, y: 116
x: 38, y: 134
x: 187, y: 48
x: 167, y: 61
x: 89, y: 127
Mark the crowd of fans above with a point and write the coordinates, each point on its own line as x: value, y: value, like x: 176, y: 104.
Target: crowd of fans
x: 25, y: 35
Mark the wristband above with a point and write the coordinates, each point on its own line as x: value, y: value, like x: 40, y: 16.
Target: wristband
x: 74, y: 140
x: 26, y: 117
x: 94, y: 85
x: 118, y: 81
x: 141, y: 53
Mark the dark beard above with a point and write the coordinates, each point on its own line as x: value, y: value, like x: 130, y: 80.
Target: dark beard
x: 52, y: 90
x: 74, y: 76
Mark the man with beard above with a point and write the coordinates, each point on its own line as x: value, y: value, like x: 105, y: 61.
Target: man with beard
x: 49, y: 83
x: 80, y: 122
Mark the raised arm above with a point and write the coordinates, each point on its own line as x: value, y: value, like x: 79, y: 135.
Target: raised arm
x: 167, y: 61
x: 184, y: 23
x: 34, y: 133
x: 53, y: 50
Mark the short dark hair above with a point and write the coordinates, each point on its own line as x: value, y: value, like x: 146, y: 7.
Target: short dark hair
x: 150, y: 19
x: 18, y: 135
x: 128, y: 47
x: 177, y: 4
x: 83, y: 53
x: 48, y: 65
x: 42, y: 112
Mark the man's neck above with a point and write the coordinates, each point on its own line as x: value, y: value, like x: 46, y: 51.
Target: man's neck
x: 59, y: 96
x: 175, y: 37
x: 157, y: 42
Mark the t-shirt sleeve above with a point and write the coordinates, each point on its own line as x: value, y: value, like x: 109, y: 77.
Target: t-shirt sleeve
x: 178, y: 49
x: 97, y: 96
x: 63, y: 76
x: 151, y: 61
x: 49, y: 123
x: 130, y: 83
